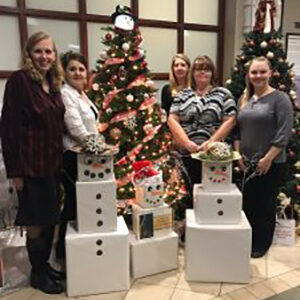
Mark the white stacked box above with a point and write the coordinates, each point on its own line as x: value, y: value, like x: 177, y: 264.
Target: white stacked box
x: 216, y: 176
x: 97, y: 256
x: 216, y: 207
x: 218, y: 235
x: 151, y: 222
x: 92, y: 167
x: 96, y: 206
x: 150, y: 195
x: 217, y: 253
x: 154, y: 245
x: 153, y: 255
x: 97, y: 262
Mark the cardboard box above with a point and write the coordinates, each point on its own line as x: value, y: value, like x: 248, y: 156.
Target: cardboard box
x: 216, y: 176
x: 217, y: 207
x: 91, y: 167
x: 151, y: 222
x: 96, y: 206
x: 217, y: 253
x: 150, y: 194
x: 153, y: 255
x: 97, y: 262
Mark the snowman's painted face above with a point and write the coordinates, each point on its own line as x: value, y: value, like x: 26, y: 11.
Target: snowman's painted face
x: 218, y: 173
x: 154, y: 194
x: 124, y: 22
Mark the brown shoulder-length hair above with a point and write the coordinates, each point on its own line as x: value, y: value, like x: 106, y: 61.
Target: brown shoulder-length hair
x: 174, y: 86
x: 203, y: 62
x: 249, y: 90
x: 55, y: 72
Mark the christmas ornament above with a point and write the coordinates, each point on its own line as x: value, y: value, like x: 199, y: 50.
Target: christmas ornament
x: 270, y: 55
x: 276, y: 74
x: 129, y: 98
x: 282, y: 87
x: 115, y: 133
x: 103, y: 54
x: 125, y: 47
x: 123, y: 18
x: 228, y: 81
x: 147, y: 128
x: 139, y: 39
x: 291, y: 73
x: 135, y: 67
x: 298, y: 188
x: 109, y: 111
x: 263, y: 44
x: 272, y: 42
x: 95, y: 144
x: 108, y: 36
x: 95, y: 87
x: 131, y: 123
x: 251, y: 43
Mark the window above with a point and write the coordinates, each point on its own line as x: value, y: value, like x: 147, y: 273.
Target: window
x: 170, y: 26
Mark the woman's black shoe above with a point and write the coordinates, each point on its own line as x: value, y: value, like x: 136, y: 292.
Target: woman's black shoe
x: 54, y: 274
x: 258, y: 253
x: 43, y: 282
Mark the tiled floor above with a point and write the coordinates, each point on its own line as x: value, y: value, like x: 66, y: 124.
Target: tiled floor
x: 278, y: 271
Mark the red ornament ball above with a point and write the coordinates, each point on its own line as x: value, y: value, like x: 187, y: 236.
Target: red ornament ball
x: 291, y: 153
x: 298, y: 188
x: 108, y: 36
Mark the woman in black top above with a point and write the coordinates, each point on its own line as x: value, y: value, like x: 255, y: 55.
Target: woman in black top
x: 179, y: 79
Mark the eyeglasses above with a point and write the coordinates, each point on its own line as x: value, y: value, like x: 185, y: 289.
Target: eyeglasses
x: 202, y: 69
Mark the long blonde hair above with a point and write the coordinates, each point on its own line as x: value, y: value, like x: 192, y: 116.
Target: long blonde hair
x: 174, y: 86
x: 55, y: 72
x: 249, y: 90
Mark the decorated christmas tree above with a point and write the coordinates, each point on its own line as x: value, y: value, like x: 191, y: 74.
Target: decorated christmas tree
x: 130, y: 117
x: 263, y: 40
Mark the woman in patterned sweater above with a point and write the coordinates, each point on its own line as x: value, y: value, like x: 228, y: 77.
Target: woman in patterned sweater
x: 201, y: 114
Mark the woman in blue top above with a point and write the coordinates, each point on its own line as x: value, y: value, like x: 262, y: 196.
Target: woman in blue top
x: 264, y: 121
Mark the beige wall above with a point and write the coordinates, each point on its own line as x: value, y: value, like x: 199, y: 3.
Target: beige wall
x: 234, y: 20
x: 291, y: 15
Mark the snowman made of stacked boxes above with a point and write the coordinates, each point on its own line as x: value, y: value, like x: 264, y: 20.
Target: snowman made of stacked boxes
x: 222, y: 201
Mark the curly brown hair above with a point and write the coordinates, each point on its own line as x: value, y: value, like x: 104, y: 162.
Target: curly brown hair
x: 55, y: 72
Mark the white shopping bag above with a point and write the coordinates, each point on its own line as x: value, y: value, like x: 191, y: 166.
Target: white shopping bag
x: 284, y: 233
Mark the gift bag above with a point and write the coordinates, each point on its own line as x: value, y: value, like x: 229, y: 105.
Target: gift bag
x: 14, y: 263
x: 284, y: 233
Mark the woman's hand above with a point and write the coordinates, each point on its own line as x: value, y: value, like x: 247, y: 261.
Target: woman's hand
x: 17, y: 183
x: 204, y: 146
x: 192, y: 147
x: 242, y: 165
x: 264, y: 165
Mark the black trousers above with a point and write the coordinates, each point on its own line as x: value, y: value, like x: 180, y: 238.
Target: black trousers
x: 69, y: 177
x: 194, y: 170
x: 259, y: 204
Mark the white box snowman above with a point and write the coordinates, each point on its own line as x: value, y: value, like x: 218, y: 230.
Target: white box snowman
x: 96, y: 206
x: 151, y: 222
x: 216, y: 175
x: 97, y: 262
x: 217, y: 207
x: 150, y: 194
x: 160, y: 254
x: 91, y: 167
x: 217, y: 253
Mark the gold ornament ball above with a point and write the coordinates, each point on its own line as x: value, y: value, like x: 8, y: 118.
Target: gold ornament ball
x: 122, y: 190
x: 135, y: 67
x: 115, y: 133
